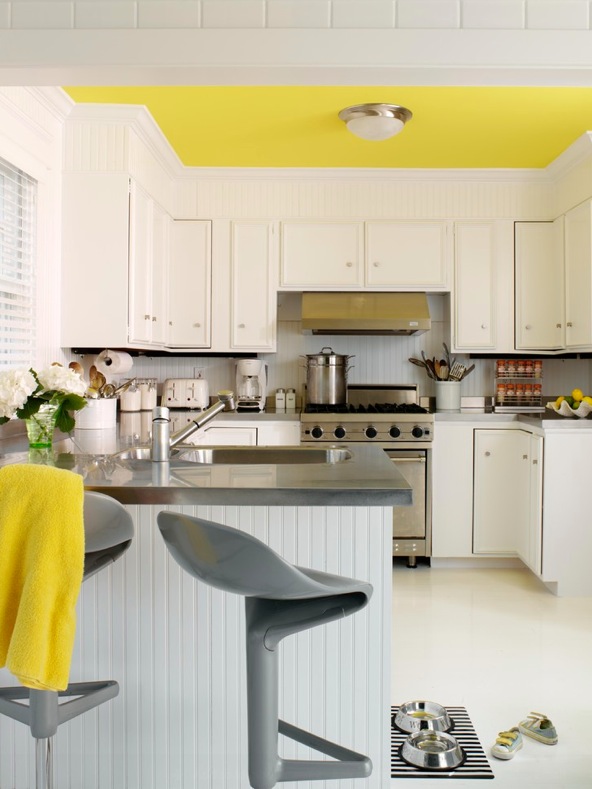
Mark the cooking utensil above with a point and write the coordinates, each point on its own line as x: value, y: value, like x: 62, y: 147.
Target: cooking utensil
x: 444, y: 373
x: 430, y: 365
x: 77, y: 367
x: 326, y: 377
x: 419, y: 363
x: 457, y: 372
x: 432, y: 750
x: 416, y: 716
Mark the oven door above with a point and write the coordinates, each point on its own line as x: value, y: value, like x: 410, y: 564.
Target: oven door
x: 411, y: 525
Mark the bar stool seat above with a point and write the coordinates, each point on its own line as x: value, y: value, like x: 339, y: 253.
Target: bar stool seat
x: 108, y: 532
x: 280, y: 599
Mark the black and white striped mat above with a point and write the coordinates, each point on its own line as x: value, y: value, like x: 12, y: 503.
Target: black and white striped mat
x: 474, y: 766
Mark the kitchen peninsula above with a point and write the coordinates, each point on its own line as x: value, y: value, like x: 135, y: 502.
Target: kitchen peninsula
x: 177, y: 646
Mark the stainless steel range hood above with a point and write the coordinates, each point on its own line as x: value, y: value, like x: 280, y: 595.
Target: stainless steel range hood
x: 365, y: 313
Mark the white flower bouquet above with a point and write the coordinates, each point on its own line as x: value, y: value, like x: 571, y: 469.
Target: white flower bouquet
x: 23, y: 392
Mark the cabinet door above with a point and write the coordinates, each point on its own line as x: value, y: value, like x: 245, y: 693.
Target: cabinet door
x: 322, y: 254
x: 140, y: 265
x: 254, y: 300
x: 452, y: 490
x: 483, y: 286
x: 189, y: 278
x: 578, y: 276
x: 95, y: 254
x: 539, y: 285
x: 501, y: 490
x: 407, y: 254
x: 161, y: 241
x: 534, y: 556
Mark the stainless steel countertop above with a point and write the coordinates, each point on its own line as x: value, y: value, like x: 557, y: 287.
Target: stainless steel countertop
x: 369, y: 478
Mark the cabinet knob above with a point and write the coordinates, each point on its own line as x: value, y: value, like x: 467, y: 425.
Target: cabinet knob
x: 349, y: 264
x: 569, y: 325
x: 487, y: 454
x: 557, y: 325
x: 170, y: 323
x: 483, y: 325
x: 241, y: 326
x: 153, y: 319
x: 524, y: 457
x: 197, y: 325
x: 528, y: 327
x: 535, y: 462
x: 376, y: 264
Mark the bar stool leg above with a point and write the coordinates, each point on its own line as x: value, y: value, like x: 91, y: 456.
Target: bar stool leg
x: 44, y: 763
x: 262, y: 703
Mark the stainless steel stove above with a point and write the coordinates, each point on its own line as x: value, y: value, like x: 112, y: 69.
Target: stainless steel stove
x: 389, y: 416
x: 382, y: 413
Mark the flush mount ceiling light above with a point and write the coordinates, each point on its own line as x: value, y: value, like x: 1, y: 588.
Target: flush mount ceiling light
x: 375, y: 121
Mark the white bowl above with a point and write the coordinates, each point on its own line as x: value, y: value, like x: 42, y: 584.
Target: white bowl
x: 565, y: 409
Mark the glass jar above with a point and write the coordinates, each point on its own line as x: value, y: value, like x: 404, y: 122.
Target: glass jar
x: 148, y: 397
x: 131, y: 399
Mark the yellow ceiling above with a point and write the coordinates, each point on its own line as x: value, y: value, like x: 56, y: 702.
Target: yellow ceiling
x: 274, y: 126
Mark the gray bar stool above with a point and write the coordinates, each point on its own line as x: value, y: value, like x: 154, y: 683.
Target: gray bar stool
x: 108, y: 532
x: 280, y: 599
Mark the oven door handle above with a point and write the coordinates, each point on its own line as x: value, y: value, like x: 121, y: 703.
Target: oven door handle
x: 408, y: 460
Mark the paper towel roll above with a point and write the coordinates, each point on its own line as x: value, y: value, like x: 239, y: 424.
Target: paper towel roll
x: 112, y: 363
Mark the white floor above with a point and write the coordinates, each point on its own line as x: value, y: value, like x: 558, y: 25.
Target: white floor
x: 498, y: 643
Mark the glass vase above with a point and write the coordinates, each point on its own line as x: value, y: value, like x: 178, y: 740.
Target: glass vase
x: 41, y: 427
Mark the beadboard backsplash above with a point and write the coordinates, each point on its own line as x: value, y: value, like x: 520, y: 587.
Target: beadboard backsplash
x: 375, y: 360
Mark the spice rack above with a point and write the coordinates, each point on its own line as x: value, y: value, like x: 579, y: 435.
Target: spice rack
x: 518, y: 385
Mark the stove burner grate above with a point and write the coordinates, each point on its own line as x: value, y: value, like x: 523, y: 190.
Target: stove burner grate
x: 373, y: 408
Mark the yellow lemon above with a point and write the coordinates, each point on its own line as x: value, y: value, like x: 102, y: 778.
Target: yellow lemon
x: 587, y: 399
x: 559, y: 400
x: 577, y: 394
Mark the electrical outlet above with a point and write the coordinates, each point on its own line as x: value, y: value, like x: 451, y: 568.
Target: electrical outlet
x: 199, y: 372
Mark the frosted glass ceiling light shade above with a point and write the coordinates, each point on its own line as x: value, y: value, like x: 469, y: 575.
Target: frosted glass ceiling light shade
x: 375, y: 121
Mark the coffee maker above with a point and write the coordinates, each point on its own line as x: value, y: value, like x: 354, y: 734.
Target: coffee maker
x: 251, y: 384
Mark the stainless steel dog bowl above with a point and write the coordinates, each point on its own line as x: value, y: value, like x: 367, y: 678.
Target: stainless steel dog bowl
x: 416, y: 716
x: 432, y: 750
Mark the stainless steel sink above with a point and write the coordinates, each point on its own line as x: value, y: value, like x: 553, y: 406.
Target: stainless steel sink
x: 245, y: 455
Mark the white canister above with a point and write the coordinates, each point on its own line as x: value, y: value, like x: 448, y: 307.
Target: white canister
x: 447, y: 395
x: 147, y: 389
x: 98, y: 414
x: 131, y: 399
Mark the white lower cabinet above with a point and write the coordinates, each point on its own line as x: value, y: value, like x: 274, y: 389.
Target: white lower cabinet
x: 249, y: 432
x: 502, y: 493
x: 487, y: 493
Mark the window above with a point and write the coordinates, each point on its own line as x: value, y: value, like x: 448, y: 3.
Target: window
x: 18, y: 193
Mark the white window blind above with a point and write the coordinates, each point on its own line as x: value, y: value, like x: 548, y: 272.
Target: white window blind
x: 18, y: 197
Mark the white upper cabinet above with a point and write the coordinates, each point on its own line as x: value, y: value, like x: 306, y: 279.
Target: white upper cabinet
x: 482, y: 302
x: 148, y: 267
x: 540, y: 276
x: 189, y: 285
x: 406, y: 255
x: 322, y: 254
x: 410, y: 255
x: 95, y: 258
x: 253, y: 261
x: 578, y: 276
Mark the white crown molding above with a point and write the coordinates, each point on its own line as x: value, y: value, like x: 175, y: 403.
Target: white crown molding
x: 139, y: 120
x: 55, y: 100
x: 575, y: 155
x: 524, y: 175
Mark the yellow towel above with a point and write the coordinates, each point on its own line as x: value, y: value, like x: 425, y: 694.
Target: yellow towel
x: 41, y: 568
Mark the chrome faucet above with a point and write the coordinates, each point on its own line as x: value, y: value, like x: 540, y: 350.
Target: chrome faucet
x: 163, y: 441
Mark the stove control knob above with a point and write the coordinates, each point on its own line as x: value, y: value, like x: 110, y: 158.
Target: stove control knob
x: 394, y: 432
x: 370, y: 432
x: 317, y: 432
x: 417, y: 432
x: 339, y: 432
